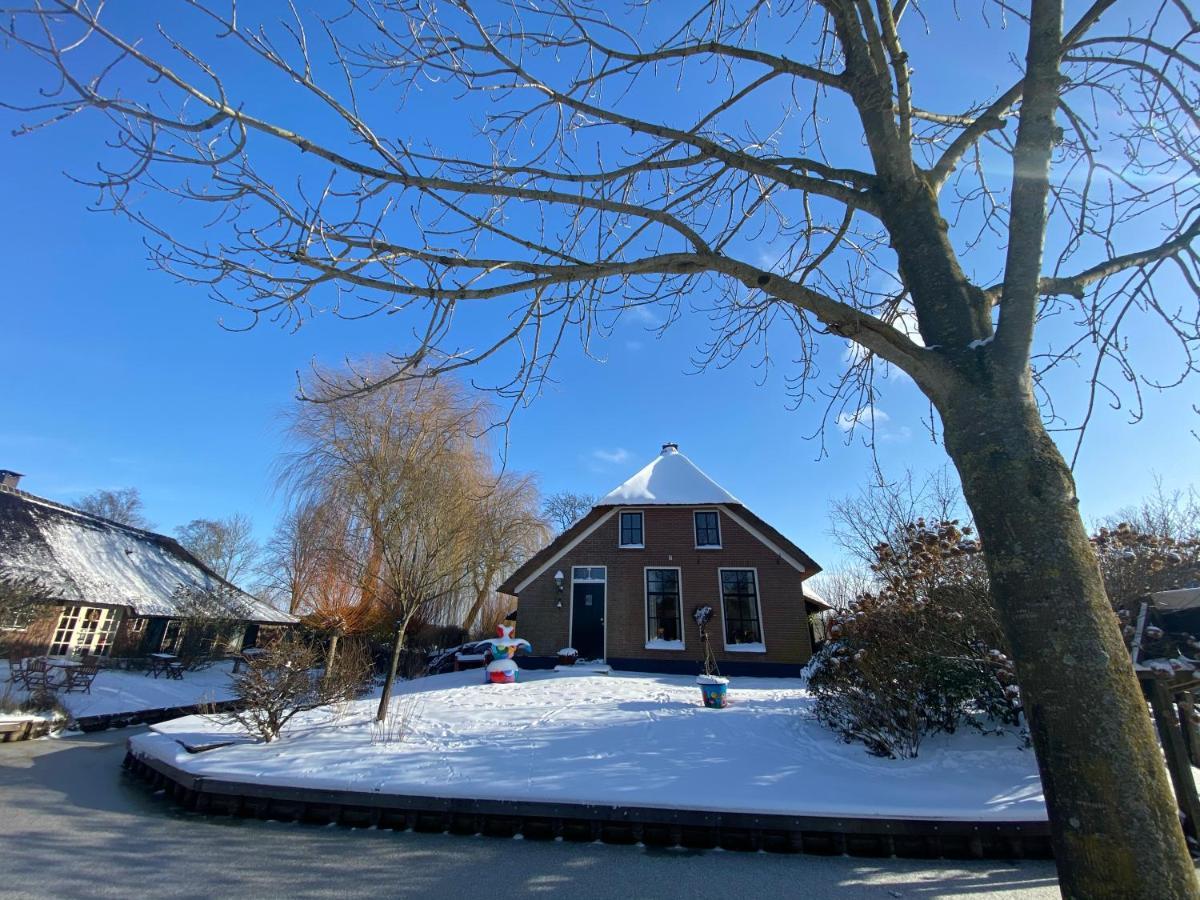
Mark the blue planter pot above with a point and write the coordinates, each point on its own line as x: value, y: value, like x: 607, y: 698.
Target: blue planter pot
x: 714, y: 695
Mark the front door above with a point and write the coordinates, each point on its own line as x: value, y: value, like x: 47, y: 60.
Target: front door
x: 587, y: 619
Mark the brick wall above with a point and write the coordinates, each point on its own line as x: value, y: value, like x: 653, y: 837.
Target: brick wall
x: 35, y: 639
x: 670, y: 542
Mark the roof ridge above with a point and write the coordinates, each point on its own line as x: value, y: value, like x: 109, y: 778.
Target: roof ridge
x: 82, y: 513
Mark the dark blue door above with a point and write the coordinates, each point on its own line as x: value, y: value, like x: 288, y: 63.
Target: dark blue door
x: 587, y: 620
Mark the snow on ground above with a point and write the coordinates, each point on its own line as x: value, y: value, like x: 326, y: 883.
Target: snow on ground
x: 628, y: 739
x: 115, y: 691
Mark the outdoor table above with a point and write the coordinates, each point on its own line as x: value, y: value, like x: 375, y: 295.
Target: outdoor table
x: 62, y: 662
x: 160, y: 663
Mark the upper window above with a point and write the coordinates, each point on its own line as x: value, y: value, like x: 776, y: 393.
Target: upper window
x: 739, y: 600
x: 631, y: 530
x: 708, y: 529
x: 663, y: 611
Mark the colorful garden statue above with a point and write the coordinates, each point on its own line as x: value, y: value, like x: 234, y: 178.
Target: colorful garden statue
x: 503, y: 668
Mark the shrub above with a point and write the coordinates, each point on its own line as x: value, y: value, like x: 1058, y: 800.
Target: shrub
x: 1136, y: 561
x: 286, y: 680
x: 923, y: 654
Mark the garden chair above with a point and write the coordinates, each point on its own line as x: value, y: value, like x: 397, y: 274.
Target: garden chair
x: 81, y: 677
x: 175, y: 670
x: 17, y: 670
x: 38, y: 676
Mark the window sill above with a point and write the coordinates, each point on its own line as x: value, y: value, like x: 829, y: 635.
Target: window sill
x: 669, y: 646
x: 746, y: 648
x: 710, y: 547
x: 631, y: 546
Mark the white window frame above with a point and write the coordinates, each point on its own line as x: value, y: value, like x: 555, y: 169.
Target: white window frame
x: 646, y: 608
x: 571, y: 601
x: 695, y: 530
x: 620, y: 517
x: 762, y: 627
x: 70, y: 639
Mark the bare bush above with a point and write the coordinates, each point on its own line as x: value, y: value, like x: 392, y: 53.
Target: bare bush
x: 285, y: 681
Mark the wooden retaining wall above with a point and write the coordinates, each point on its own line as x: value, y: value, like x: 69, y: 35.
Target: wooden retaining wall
x: 28, y: 730
x: 590, y: 822
x: 150, y: 716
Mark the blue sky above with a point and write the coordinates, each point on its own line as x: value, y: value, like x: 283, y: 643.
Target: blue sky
x: 114, y: 375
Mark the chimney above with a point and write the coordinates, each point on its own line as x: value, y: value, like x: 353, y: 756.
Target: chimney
x: 670, y: 447
x: 9, y: 478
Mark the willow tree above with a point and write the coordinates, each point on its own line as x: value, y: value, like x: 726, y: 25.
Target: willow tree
x: 405, y: 469
x: 789, y: 170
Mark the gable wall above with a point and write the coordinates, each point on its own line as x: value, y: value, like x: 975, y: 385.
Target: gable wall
x: 670, y: 541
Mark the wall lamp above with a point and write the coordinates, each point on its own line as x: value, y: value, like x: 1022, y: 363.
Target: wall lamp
x: 559, y: 578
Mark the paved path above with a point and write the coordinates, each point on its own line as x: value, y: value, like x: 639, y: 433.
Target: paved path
x: 73, y: 825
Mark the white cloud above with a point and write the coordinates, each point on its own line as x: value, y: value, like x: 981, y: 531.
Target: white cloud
x: 613, y: 457
x: 866, y: 417
x: 642, y: 314
x: 875, y: 420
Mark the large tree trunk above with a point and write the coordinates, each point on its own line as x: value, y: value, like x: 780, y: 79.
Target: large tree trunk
x: 1113, y: 817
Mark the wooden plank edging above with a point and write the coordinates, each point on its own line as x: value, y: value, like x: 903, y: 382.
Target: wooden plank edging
x: 150, y: 716
x: 658, y: 826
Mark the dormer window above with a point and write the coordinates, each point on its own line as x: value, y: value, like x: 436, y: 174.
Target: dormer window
x: 632, y: 534
x: 708, y: 530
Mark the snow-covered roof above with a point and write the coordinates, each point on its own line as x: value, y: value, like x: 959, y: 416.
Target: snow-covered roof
x: 76, y: 557
x: 1176, y: 600
x: 811, y: 595
x: 670, y: 479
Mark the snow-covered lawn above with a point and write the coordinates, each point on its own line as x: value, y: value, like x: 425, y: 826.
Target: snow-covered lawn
x: 627, y: 739
x: 115, y: 691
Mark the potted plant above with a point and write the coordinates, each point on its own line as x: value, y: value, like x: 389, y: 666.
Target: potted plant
x: 713, y: 686
x: 567, y: 656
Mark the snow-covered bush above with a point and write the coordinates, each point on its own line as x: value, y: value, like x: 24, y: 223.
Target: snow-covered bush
x: 922, y: 654
x: 286, y: 680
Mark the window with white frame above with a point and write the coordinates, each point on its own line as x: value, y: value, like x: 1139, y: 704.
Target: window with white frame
x: 632, y: 533
x: 84, y: 630
x: 664, y: 610
x: 587, y: 573
x: 739, y: 603
x: 18, y: 618
x: 708, y: 529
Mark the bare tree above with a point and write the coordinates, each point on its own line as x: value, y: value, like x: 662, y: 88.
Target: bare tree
x: 857, y: 521
x: 565, y: 508
x: 843, y: 584
x: 510, y: 530
x: 333, y: 600
x: 405, y: 465
x: 227, y: 546
x: 295, y: 557
x: 679, y: 155
x: 123, y: 505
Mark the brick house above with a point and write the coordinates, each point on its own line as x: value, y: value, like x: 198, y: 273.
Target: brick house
x: 94, y: 586
x: 621, y: 583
